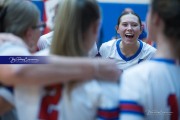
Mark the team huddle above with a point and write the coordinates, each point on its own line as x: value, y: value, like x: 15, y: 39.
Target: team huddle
x: 129, y: 80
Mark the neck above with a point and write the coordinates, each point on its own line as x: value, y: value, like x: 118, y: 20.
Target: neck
x: 129, y: 49
x: 164, y: 48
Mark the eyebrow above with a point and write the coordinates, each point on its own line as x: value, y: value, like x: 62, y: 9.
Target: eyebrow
x: 130, y: 22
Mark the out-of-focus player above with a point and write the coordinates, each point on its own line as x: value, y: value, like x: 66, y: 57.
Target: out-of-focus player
x: 76, y: 30
x: 45, y: 41
x: 151, y: 90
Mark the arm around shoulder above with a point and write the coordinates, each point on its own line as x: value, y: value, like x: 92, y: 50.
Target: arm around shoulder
x: 59, y: 69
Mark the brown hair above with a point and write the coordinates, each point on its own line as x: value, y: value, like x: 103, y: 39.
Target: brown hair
x: 169, y: 12
x: 18, y: 16
x: 126, y: 13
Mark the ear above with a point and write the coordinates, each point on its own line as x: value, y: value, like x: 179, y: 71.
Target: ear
x: 141, y: 28
x: 116, y: 27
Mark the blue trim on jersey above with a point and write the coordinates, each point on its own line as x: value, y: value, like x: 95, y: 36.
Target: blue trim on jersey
x: 10, y: 89
x: 128, y: 102
x: 109, y: 110
x: 131, y: 57
x: 131, y: 112
x: 169, y: 61
x: 102, y: 118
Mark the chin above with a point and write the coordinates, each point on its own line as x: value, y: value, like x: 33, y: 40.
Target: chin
x: 130, y: 41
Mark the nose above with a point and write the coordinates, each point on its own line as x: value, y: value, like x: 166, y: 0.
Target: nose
x: 129, y: 27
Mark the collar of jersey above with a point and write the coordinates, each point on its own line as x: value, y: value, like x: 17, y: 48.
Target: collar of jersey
x: 131, y: 57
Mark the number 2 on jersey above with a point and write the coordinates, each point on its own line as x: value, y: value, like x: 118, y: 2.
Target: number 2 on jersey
x: 48, y: 101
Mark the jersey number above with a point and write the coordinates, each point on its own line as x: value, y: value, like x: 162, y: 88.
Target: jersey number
x: 172, y: 102
x: 50, y: 100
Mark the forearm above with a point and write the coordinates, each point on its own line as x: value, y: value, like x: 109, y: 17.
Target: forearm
x: 62, y: 71
x: 59, y: 70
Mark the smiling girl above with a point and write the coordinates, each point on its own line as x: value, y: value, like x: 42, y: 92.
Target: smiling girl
x: 128, y: 50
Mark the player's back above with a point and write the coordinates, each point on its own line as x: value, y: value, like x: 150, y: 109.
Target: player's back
x: 156, y: 90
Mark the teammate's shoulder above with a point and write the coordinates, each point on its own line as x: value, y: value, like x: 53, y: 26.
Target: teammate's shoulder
x: 147, y: 47
x: 9, y: 48
x: 142, y: 69
x: 108, y: 45
x: 110, y: 42
x: 46, y: 37
x: 50, y: 34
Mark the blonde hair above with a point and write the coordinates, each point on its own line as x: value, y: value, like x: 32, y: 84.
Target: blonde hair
x: 73, y: 19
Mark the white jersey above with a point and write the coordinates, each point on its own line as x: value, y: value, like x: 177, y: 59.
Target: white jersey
x: 151, y: 91
x: 86, y: 101
x: 46, y: 40
x: 111, y: 50
x: 8, y: 49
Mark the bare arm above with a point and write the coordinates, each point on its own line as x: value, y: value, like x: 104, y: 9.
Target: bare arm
x: 61, y: 69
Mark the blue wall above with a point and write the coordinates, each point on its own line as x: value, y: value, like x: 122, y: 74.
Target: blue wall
x: 40, y: 5
x: 110, y: 14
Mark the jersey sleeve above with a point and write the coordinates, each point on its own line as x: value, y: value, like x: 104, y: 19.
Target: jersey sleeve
x: 108, y: 103
x: 42, y: 43
x: 45, y: 41
x: 105, y: 49
x: 102, y: 50
x: 132, y: 96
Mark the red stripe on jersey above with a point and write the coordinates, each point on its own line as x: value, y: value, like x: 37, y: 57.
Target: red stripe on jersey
x: 131, y: 107
x: 108, y: 113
